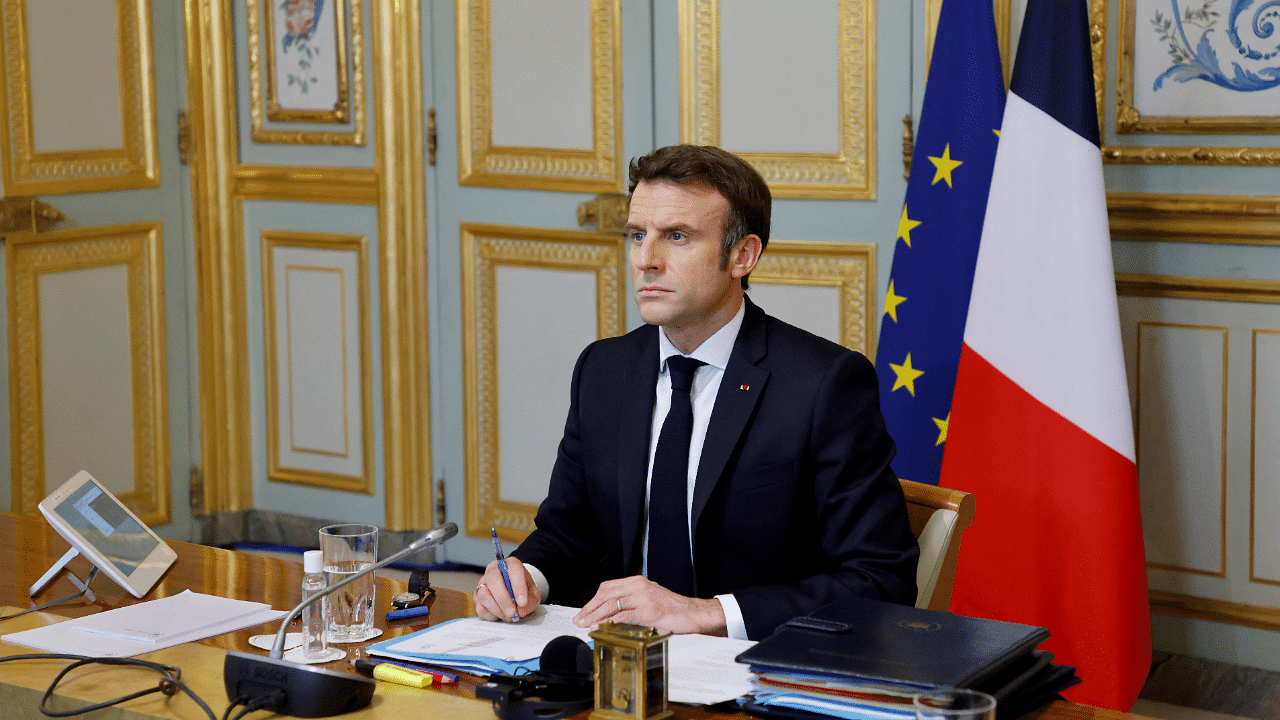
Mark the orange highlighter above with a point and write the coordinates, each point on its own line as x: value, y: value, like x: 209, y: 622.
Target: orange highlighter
x: 393, y: 673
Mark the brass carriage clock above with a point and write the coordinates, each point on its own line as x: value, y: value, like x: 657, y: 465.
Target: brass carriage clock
x: 631, y: 672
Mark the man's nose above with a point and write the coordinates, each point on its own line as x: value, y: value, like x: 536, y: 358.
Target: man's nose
x: 645, y: 255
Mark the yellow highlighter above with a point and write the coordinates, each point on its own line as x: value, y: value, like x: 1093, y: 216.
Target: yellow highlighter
x: 393, y: 673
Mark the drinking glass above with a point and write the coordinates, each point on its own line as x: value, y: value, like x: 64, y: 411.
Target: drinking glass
x: 348, y: 549
x: 954, y: 704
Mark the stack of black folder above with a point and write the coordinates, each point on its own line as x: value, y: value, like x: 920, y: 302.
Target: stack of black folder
x: 865, y: 658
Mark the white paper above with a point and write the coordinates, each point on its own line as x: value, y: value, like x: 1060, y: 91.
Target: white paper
x: 509, y: 642
x: 701, y: 669
x: 63, y: 637
x: 176, y: 616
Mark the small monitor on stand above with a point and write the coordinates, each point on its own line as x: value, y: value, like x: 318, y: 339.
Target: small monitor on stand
x: 102, y: 529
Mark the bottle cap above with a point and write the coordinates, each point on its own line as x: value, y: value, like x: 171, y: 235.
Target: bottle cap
x: 313, y: 561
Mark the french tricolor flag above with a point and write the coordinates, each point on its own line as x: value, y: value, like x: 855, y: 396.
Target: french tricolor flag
x: 1041, y: 429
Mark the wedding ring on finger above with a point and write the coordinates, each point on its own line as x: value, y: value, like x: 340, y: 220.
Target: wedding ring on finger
x: 619, y: 602
x: 481, y: 585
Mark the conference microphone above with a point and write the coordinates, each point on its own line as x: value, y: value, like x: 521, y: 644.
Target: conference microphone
x: 303, y: 690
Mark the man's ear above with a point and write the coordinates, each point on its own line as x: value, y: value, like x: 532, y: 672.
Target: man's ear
x: 745, y: 255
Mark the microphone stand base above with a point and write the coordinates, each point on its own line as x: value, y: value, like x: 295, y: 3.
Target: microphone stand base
x: 304, y: 691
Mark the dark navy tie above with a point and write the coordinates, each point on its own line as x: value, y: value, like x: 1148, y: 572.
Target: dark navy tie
x: 670, y: 560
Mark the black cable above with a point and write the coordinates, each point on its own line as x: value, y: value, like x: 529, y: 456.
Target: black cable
x: 238, y: 701
x: 170, y: 681
x: 274, y: 697
x: 57, y: 601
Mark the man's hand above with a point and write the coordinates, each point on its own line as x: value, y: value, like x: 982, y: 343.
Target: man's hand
x: 491, y: 598
x: 641, y: 601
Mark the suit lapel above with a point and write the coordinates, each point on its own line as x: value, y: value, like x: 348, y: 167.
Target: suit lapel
x: 740, y: 392
x: 635, y: 410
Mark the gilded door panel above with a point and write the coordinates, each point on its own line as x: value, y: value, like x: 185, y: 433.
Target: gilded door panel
x: 79, y: 97
x: 96, y: 348
x: 88, y: 386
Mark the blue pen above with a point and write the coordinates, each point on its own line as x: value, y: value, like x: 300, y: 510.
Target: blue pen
x: 502, y: 566
x: 409, y: 612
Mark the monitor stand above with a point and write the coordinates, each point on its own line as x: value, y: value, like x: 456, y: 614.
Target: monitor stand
x: 52, y: 572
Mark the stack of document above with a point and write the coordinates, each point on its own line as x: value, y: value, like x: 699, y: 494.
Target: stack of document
x: 481, y: 647
x: 864, y: 658
x: 152, y: 625
x: 828, y: 695
x: 701, y: 669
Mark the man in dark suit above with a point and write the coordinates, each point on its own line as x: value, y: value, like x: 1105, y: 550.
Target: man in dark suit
x: 788, y: 501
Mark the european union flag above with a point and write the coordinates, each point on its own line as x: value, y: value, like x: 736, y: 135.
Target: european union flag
x: 938, y: 232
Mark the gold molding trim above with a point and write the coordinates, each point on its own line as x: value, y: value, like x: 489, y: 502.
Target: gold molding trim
x: 1224, y: 611
x: 222, y: 334
x: 137, y: 246
x: 359, y: 245
x: 847, y: 174
x: 484, y: 249
x: 849, y: 267
x: 402, y: 263
x: 1222, y: 472
x: 1224, y: 219
x: 18, y: 214
x: 1196, y: 288
x: 259, y: 133
x: 344, y: 186
x: 480, y: 162
x: 1253, y: 454
x: 1190, y: 155
x: 1129, y: 120
x: 933, y: 8
x: 606, y: 213
x: 1098, y: 47
x: 26, y: 171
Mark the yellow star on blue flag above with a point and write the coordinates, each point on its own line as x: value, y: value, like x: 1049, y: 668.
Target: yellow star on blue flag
x: 905, y: 226
x: 905, y: 375
x: 891, y: 302
x: 944, y: 165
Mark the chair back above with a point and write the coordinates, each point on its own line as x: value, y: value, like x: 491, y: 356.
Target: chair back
x: 938, y: 517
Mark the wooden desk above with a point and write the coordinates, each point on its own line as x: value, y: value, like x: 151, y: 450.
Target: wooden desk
x: 28, y: 546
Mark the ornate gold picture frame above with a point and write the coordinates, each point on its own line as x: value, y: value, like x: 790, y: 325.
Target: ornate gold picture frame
x: 848, y: 173
x: 27, y: 170
x: 136, y: 250
x: 298, y: 69
x: 848, y: 267
x: 1202, y: 68
x: 483, y: 163
x: 495, y: 501
x: 1152, y: 154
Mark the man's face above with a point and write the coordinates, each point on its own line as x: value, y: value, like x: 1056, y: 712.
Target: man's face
x: 674, y: 235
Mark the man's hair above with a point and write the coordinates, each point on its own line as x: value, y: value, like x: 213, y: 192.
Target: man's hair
x: 750, y: 202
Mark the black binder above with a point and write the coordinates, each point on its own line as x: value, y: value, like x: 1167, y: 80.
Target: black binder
x: 897, y: 644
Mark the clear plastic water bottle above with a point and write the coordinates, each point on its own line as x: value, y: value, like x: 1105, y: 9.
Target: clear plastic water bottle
x: 315, y: 617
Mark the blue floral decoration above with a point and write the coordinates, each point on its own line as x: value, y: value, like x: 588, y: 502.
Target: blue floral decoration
x: 1249, y: 46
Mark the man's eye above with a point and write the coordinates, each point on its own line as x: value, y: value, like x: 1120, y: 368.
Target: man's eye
x: 677, y: 236
x: 635, y: 237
